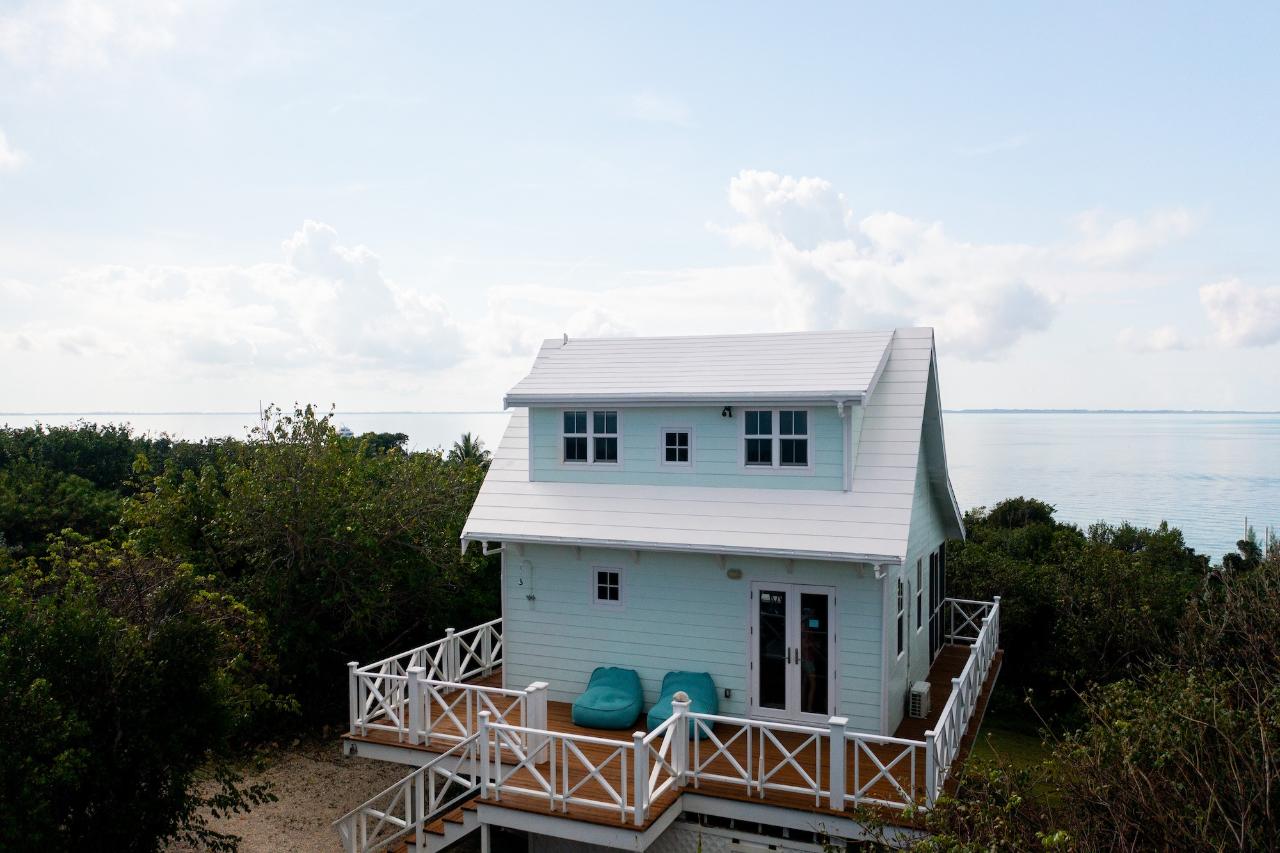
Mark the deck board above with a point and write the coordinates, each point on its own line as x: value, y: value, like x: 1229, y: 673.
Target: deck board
x: 946, y: 666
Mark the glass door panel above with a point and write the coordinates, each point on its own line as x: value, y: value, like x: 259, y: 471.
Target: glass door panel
x: 773, y: 652
x: 815, y: 651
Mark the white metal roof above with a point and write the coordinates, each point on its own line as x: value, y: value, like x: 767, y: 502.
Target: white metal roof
x: 809, y: 366
x: 869, y: 523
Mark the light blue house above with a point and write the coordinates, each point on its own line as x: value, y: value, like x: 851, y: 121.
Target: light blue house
x: 768, y: 509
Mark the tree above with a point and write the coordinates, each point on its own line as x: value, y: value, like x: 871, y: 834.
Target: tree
x: 469, y: 449
x: 121, y: 676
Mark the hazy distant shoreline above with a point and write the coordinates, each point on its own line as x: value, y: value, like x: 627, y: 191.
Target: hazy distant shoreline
x: 499, y: 412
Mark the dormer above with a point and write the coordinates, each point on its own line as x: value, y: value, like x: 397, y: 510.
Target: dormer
x: 766, y: 411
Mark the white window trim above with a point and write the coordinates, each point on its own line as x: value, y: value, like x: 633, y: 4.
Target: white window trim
x: 592, y: 577
x: 591, y: 439
x: 662, y: 448
x: 777, y: 467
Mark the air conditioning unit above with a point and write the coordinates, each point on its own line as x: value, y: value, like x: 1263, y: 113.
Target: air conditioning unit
x: 920, y: 700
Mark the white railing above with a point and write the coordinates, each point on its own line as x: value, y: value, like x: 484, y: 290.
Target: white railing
x: 405, y: 808
x: 765, y: 755
x: 379, y: 692
x: 978, y: 623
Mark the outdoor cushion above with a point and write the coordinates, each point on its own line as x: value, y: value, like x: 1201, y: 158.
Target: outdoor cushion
x: 702, y: 697
x: 612, y: 700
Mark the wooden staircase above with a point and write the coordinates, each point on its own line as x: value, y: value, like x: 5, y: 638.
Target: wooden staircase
x: 445, y: 831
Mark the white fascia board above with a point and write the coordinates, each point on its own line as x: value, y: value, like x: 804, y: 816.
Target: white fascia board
x: 681, y: 399
x: 884, y: 360
x: 633, y: 545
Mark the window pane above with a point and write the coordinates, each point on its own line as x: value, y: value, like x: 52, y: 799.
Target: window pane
x: 611, y: 422
x: 800, y: 423
x: 671, y: 439
x: 793, y: 451
x: 673, y: 454
x: 606, y: 450
x: 682, y: 454
x: 759, y: 451
x: 815, y: 667
x: 766, y: 423
x: 575, y: 449
x: 575, y: 422
x: 598, y: 426
x: 772, y: 649
x: 753, y: 423
x: 784, y: 423
x: 682, y: 439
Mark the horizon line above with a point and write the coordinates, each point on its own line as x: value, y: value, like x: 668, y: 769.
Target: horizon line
x: 959, y: 411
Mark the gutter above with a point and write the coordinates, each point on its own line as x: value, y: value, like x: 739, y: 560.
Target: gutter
x: 877, y: 560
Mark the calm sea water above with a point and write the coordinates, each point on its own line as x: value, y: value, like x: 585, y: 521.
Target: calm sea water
x: 1202, y: 473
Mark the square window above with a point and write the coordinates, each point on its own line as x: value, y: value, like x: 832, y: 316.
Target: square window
x: 575, y: 422
x: 793, y: 423
x: 608, y: 587
x: 575, y: 449
x: 760, y: 422
x: 675, y: 446
x: 793, y: 451
x: 605, y: 423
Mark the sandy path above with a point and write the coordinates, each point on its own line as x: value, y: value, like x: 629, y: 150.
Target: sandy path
x: 316, y: 785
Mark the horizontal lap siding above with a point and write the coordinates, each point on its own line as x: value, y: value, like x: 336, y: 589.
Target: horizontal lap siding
x: 680, y: 611
x: 717, y: 450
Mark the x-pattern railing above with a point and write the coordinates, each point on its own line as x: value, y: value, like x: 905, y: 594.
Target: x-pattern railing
x: 379, y: 692
x: 885, y: 771
x: 407, y: 806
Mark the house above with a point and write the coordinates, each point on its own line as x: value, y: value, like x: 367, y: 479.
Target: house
x: 769, y: 509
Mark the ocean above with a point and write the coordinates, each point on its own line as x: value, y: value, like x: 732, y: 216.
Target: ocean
x: 1203, y: 473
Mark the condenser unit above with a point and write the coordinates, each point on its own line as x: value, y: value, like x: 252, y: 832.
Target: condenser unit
x: 920, y: 700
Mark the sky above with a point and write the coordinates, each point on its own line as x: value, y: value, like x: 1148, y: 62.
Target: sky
x: 388, y: 206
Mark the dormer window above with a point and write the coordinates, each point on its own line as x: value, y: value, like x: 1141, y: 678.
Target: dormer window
x: 776, y: 438
x: 591, y: 437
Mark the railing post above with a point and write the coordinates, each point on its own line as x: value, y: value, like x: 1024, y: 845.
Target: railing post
x: 450, y: 655
x: 680, y: 736
x: 838, y: 726
x: 419, y: 806
x: 416, y: 687
x: 535, y: 710
x: 640, y: 753
x: 483, y: 730
x: 995, y: 624
x: 353, y: 696
x: 930, y: 767
x: 486, y: 649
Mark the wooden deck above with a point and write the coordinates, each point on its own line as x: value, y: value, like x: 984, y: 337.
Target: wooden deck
x: 858, y: 766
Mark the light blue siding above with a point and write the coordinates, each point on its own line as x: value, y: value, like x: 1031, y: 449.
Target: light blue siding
x: 926, y: 535
x: 717, y: 450
x: 679, y: 611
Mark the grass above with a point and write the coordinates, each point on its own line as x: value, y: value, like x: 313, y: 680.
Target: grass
x: 1014, y: 747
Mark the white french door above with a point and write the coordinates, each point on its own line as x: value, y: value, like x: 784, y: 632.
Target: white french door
x: 793, y: 651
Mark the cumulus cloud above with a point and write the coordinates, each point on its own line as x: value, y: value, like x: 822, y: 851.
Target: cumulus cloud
x: 888, y: 269
x: 11, y: 159
x: 1242, y: 316
x: 1160, y: 339
x: 661, y: 109
x: 327, y: 304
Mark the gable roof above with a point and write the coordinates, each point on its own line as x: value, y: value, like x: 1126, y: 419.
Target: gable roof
x: 867, y: 524
x: 795, y: 366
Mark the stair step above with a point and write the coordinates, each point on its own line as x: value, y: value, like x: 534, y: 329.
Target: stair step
x: 454, y: 816
x: 436, y: 827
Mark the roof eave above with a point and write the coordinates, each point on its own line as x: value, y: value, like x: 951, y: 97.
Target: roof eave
x: 631, y: 545
x: 514, y: 400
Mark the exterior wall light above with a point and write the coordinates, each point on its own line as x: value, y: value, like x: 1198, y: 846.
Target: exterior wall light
x: 726, y: 412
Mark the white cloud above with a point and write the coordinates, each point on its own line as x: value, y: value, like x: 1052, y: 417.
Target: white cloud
x: 1242, y: 316
x: 888, y: 269
x: 1160, y: 339
x: 328, y: 305
x: 11, y: 159
x: 1122, y: 240
x: 88, y: 34
x: 661, y: 109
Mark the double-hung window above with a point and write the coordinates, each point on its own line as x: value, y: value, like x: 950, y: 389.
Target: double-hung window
x: 902, y: 617
x: 919, y: 593
x: 591, y: 436
x: 776, y: 438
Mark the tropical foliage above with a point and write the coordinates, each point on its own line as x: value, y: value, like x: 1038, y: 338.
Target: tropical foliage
x: 165, y: 605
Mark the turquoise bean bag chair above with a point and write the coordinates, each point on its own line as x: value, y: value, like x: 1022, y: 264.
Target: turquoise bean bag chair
x: 612, y: 700
x: 703, y: 698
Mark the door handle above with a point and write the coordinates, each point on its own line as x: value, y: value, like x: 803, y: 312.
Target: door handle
x: 788, y: 655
